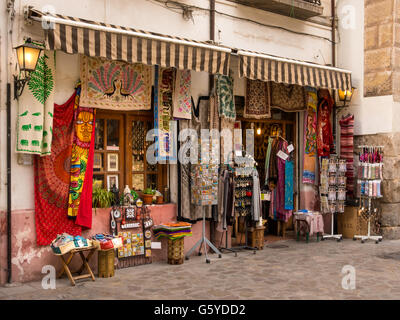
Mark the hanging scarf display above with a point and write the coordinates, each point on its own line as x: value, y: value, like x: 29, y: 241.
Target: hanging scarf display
x: 324, y: 128
x: 82, y: 167
x: 267, y: 160
x: 35, y: 114
x: 226, y: 104
x: 310, y: 137
x: 115, y: 85
x: 346, y: 150
x: 257, y: 100
x: 182, y: 98
x: 281, y: 213
x: 163, y: 101
x: 52, y: 179
x: 289, y: 182
x: 288, y: 97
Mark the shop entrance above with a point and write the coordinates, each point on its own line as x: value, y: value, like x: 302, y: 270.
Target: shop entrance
x: 281, y: 124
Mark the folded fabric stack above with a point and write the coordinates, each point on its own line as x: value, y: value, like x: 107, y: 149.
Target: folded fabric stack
x: 106, y: 241
x: 64, y: 243
x: 173, y: 230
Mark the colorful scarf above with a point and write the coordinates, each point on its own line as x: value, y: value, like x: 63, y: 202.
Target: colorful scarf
x: 52, y: 179
x: 80, y: 197
x: 163, y: 101
x: 258, y: 104
x: 289, y: 185
x: 226, y: 104
x: 324, y: 128
x: 281, y: 212
x: 182, y: 98
x: 35, y: 113
x: 310, y: 137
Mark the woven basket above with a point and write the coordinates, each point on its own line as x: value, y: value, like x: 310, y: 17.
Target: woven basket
x: 176, y: 251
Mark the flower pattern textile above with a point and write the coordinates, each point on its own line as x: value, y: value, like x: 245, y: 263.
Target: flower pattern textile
x: 226, y: 104
x: 182, y: 98
x: 52, y: 179
x: 257, y: 100
x: 310, y: 137
x: 115, y: 85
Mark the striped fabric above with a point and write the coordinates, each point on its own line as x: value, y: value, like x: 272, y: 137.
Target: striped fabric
x: 347, y: 149
x: 134, y: 49
x: 293, y: 72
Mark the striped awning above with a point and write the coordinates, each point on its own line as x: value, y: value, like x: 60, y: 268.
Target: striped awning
x: 258, y: 66
x: 97, y: 39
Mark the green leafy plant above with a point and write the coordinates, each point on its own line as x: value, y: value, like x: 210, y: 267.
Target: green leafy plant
x: 149, y: 191
x: 101, y: 198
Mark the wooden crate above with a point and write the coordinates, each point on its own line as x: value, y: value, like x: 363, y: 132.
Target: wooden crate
x: 350, y: 223
x: 106, y: 263
x: 256, y: 237
x: 176, y: 251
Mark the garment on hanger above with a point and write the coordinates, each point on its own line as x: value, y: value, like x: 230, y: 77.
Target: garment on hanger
x: 324, y: 128
x: 281, y: 213
x: 267, y: 159
x: 226, y: 199
x: 310, y: 138
x: 256, y: 198
x: 289, y: 183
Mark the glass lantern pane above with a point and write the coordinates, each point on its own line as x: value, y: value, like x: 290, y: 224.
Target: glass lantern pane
x: 98, y: 162
x: 98, y: 181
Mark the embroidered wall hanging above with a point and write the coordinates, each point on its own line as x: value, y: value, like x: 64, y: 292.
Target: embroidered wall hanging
x: 163, y: 97
x: 52, y: 179
x: 257, y: 100
x: 80, y: 189
x: 226, y: 104
x: 115, y: 85
x: 310, y: 137
x: 182, y: 98
x: 324, y: 128
x: 36, y: 105
x: 288, y: 97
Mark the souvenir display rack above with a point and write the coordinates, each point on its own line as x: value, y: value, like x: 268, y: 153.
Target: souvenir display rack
x: 205, y: 192
x: 333, y: 190
x: 370, y: 175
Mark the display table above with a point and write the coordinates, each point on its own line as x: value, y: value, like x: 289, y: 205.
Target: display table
x: 85, y: 259
x: 308, y: 224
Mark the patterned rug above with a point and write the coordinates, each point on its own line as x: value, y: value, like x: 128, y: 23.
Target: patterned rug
x: 346, y: 150
x: 258, y: 104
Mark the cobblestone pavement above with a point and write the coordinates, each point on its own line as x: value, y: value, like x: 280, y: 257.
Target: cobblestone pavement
x: 283, y: 270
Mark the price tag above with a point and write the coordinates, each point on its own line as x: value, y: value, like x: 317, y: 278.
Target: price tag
x: 265, y: 196
x: 290, y: 148
x: 155, y: 245
x: 282, y: 155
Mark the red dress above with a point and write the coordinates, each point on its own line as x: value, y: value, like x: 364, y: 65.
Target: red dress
x: 324, y: 128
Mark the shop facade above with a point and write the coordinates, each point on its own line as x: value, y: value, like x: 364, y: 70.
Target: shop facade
x: 117, y: 130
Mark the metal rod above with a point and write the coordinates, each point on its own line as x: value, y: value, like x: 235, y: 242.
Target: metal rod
x: 9, y: 244
x: 127, y: 32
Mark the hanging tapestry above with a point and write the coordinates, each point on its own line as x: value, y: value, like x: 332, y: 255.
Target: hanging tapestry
x: 226, y: 104
x: 288, y: 97
x: 36, y: 105
x: 310, y: 137
x: 163, y: 97
x: 189, y: 211
x: 346, y: 150
x: 289, y: 182
x: 115, y: 85
x: 257, y: 100
x: 52, y: 179
x: 182, y: 97
x: 82, y: 167
x: 324, y: 128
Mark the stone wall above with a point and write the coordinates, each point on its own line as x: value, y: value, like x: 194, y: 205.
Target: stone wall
x: 390, y: 204
x: 382, y: 48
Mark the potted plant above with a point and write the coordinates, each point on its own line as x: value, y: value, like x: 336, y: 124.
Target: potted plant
x: 148, y: 194
x: 101, y: 198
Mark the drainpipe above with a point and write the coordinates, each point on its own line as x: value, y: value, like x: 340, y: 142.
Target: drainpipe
x: 9, y: 266
x: 333, y: 15
x: 210, y: 87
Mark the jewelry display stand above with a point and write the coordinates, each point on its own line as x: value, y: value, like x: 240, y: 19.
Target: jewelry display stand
x: 370, y: 173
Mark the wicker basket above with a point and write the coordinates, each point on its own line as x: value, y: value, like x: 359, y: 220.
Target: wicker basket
x: 106, y: 263
x: 176, y: 251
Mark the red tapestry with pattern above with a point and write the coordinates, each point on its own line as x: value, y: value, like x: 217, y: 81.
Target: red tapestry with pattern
x: 52, y: 179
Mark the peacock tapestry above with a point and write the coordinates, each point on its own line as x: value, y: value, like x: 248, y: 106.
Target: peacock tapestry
x: 115, y: 85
